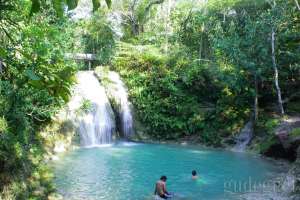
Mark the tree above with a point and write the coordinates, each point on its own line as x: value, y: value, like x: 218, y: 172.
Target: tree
x: 59, y: 5
x: 280, y: 103
x: 274, y: 21
x: 137, y: 13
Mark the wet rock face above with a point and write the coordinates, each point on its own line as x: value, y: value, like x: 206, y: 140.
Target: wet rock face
x: 295, y: 173
x: 297, y: 170
x: 277, y: 151
x: 283, y: 132
x: 285, y: 144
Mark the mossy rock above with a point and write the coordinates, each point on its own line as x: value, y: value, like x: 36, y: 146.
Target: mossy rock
x: 267, y: 144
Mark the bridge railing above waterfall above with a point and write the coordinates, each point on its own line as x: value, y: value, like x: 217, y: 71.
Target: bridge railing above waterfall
x: 82, y: 56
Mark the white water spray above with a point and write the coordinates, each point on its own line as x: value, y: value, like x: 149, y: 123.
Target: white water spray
x: 120, y: 94
x: 83, y: 10
x: 244, y: 138
x: 96, y: 118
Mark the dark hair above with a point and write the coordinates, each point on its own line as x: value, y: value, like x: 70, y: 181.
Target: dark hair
x: 194, y: 173
x: 163, y: 178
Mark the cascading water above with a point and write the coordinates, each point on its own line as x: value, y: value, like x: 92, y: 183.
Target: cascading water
x: 244, y: 138
x: 96, y: 119
x: 120, y: 94
x: 117, y: 92
x: 83, y: 10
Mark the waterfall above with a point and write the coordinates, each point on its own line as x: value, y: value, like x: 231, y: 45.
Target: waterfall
x: 244, y: 138
x: 120, y: 95
x: 117, y: 92
x: 96, y: 119
x: 83, y: 10
x: 116, y: 22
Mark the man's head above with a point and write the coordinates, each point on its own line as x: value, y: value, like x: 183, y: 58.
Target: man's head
x: 194, y: 173
x: 163, y: 178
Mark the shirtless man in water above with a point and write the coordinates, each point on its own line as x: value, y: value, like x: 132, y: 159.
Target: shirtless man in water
x: 160, y: 188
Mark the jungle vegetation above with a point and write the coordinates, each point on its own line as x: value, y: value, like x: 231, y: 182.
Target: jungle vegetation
x: 194, y: 69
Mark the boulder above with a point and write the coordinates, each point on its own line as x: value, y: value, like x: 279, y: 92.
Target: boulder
x: 291, y: 184
x: 285, y: 130
x: 285, y: 141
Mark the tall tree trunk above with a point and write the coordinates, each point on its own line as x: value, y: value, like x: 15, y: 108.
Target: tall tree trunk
x: 276, y: 74
x: 255, y: 108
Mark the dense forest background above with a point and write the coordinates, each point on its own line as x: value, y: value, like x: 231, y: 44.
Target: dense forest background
x: 194, y: 69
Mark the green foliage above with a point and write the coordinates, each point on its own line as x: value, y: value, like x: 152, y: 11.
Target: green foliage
x: 271, y: 124
x: 266, y: 144
x: 35, y: 81
x: 99, y: 38
x: 194, y: 72
x: 86, y: 106
x: 218, y: 61
x: 266, y: 124
x: 295, y: 132
x: 3, y: 125
x: 160, y: 88
x: 59, y: 5
x: 293, y: 107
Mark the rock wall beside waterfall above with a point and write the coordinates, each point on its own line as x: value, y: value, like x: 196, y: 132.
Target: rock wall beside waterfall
x: 285, y: 140
x: 60, y: 135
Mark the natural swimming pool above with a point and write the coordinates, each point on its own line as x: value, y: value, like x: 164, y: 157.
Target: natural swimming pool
x: 128, y: 171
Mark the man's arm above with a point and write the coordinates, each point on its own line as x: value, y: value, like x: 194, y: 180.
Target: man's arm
x: 165, y: 189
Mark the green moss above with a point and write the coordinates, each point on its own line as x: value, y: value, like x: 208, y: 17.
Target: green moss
x: 267, y: 123
x: 295, y: 132
x: 293, y: 107
x: 271, y: 124
x: 85, y: 107
x: 3, y: 125
x: 265, y: 145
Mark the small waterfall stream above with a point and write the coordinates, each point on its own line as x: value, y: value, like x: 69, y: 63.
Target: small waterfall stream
x: 244, y: 138
x: 97, y: 122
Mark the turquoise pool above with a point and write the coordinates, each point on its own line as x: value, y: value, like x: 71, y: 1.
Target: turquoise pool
x: 128, y: 171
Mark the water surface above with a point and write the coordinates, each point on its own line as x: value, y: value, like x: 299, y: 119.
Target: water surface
x: 129, y: 171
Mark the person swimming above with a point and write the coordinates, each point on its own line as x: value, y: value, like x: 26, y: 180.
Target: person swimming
x: 194, y: 175
x: 161, y: 189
